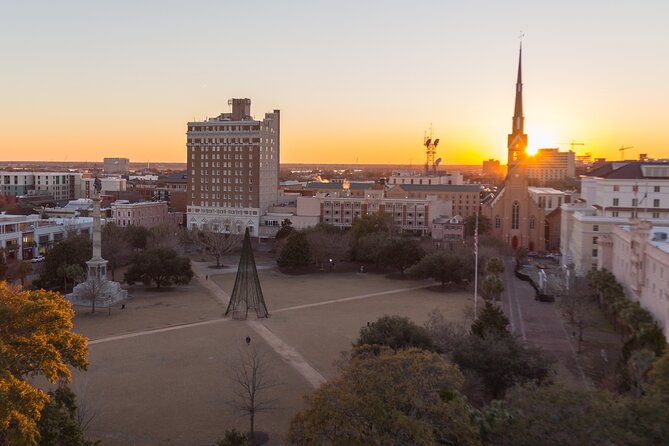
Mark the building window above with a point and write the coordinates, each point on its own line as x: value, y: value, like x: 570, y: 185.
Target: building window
x: 656, y: 203
x: 515, y: 215
x: 614, y: 213
x: 616, y: 201
x: 595, y: 240
x: 656, y: 189
x: 498, y: 222
x: 532, y: 222
x: 616, y: 188
x: 656, y: 215
x: 595, y: 228
x: 635, y: 202
x: 594, y: 252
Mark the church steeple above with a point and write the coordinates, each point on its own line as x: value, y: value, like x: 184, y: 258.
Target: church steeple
x: 517, y: 140
x: 518, y: 119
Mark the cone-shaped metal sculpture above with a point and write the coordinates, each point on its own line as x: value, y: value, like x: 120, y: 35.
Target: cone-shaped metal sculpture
x: 247, y: 294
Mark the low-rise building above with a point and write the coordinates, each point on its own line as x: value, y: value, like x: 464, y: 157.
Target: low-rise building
x: 638, y: 256
x: 25, y: 236
x: 448, y: 229
x: 464, y: 198
x: 612, y: 194
x: 147, y: 214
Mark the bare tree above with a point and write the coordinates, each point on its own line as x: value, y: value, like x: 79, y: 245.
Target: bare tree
x: 166, y: 235
x: 251, y: 376
x: 86, y: 412
x: 574, y: 300
x: 93, y: 290
x: 217, y: 240
x: 115, y: 246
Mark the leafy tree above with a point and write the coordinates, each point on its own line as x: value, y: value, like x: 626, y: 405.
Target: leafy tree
x: 252, y: 381
x: 499, y: 363
x: 370, y: 224
x: 74, y: 250
x: 233, y: 438
x: 161, y: 266
x: 445, y: 266
x: 388, y: 398
x: 552, y: 415
x: 558, y: 415
x: 402, y: 252
x: 491, y: 322
x: 296, y: 251
x: 492, y: 287
x: 521, y: 255
x: 71, y: 272
x: 328, y: 242
x: 36, y: 339
x: 115, y: 246
x: 485, y: 225
x: 25, y: 268
x: 371, y: 248
x: 58, y: 422
x: 396, y: 332
x: 285, y: 230
x: 137, y: 236
x: 659, y: 375
x: 495, y: 266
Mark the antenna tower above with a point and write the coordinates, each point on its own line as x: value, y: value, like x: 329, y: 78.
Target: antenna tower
x: 430, y: 152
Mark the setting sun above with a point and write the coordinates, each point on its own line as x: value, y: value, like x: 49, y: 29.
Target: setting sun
x: 531, y: 151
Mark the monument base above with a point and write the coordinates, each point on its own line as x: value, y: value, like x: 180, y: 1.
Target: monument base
x: 107, y: 293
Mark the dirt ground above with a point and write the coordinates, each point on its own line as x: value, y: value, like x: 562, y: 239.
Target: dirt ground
x: 160, y: 368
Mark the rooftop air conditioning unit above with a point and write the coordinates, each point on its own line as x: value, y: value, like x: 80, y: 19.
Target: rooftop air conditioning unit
x: 660, y: 237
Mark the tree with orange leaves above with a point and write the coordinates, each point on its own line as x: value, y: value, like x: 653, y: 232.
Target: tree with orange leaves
x: 36, y: 339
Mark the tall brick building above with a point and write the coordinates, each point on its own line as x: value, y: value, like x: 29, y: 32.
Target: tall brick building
x: 233, y: 169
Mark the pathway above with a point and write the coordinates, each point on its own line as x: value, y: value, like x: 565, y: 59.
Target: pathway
x: 538, y: 322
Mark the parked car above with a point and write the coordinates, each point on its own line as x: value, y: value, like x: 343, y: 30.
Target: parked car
x: 37, y: 259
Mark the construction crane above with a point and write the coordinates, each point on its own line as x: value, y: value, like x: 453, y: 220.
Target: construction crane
x: 622, y: 151
x: 573, y: 143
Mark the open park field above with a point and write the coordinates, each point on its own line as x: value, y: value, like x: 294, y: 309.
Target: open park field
x: 160, y: 368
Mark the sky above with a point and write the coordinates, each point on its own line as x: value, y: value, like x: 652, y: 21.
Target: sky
x: 356, y: 81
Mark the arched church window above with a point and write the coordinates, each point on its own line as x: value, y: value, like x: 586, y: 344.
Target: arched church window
x: 532, y: 222
x: 515, y: 215
x: 498, y: 222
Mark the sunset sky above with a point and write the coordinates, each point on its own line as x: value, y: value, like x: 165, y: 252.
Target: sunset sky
x: 356, y: 81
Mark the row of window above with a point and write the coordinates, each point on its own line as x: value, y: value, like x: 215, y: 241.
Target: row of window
x: 223, y: 128
x: 635, y: 188
x: 636, y: 202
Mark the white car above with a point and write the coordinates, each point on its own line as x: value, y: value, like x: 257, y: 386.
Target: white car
x: 37, y: 259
